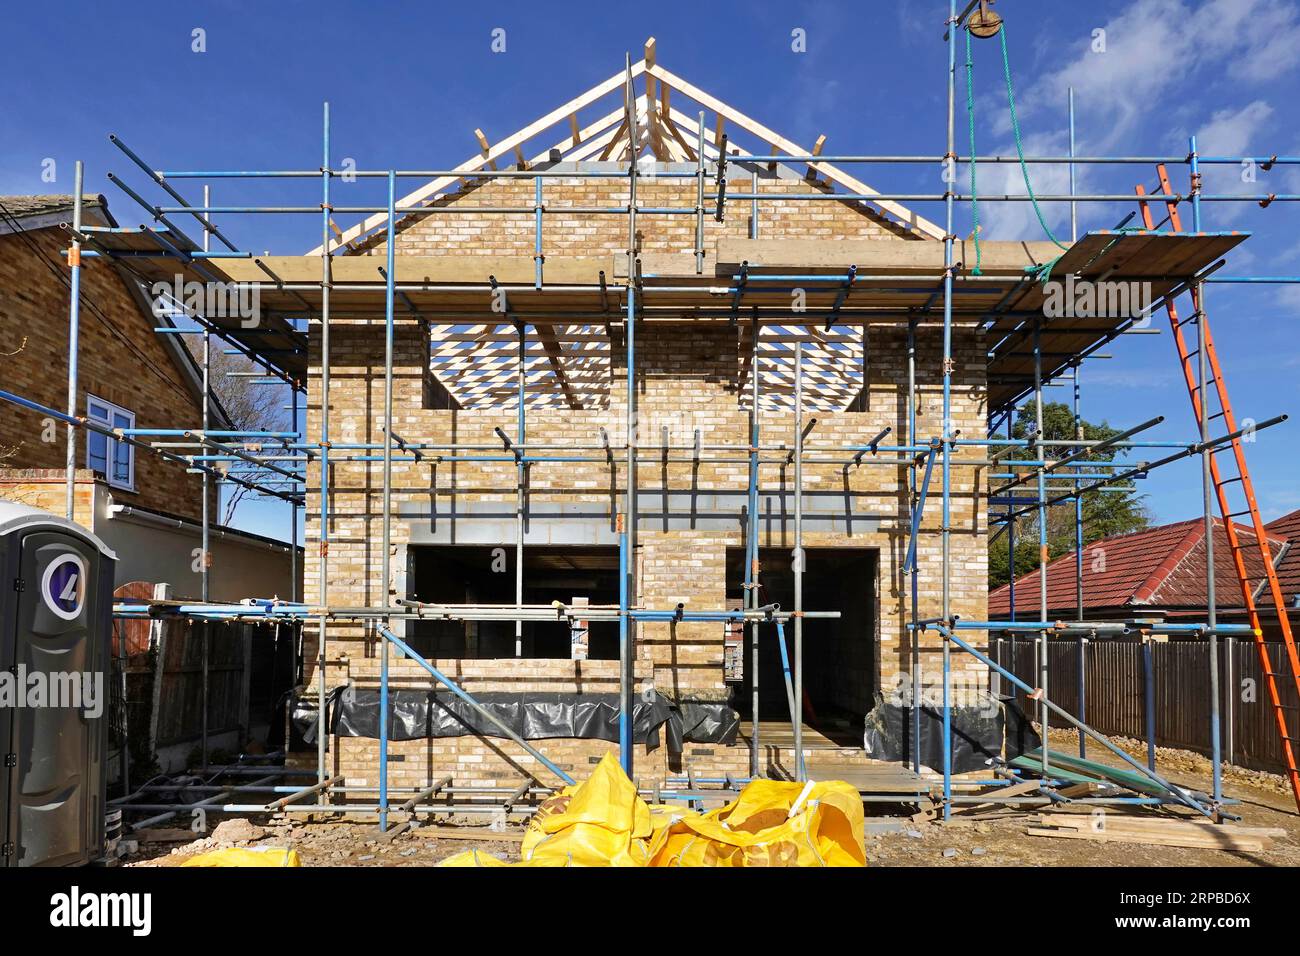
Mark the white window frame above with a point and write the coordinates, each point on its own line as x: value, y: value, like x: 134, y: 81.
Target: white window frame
x: 112, y: 410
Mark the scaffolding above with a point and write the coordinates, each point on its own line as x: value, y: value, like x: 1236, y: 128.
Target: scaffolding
x: 1029, y: 353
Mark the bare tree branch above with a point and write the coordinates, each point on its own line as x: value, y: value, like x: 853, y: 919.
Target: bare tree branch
x: 249, y: 405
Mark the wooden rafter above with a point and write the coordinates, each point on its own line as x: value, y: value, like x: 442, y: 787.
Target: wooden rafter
x: 811, y: 174
x: 479, y: 364
x: 568, y: 365
x: 553, y: 352
x: 503, y: 147
x: 666, y: 142
x: 778, y: 141
x: 484, y: 150
x: 618, y: 136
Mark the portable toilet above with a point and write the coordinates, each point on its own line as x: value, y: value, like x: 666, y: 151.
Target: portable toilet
x: 56, y: 606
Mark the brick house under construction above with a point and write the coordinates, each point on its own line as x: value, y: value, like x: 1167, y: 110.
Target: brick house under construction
x: 784, y: 330
x: 454, y: 527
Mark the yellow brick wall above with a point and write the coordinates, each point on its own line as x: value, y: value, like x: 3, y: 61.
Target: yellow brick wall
x: 496, y: 762
x: 46, y: 488
x: 473, y: 233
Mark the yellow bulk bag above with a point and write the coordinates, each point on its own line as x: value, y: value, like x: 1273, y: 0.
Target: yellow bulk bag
x: 246, y: 856
x: 771, y: 823
x: 604, y: 822
x: 599, y: 822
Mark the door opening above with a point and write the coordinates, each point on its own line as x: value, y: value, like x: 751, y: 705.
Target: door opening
x: 839, y: 654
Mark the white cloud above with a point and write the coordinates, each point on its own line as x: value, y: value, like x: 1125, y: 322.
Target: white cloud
x: 1232, y: 133
x: 1263, y: 36
x: 1152, y: 47
x: 1017, y: 220
x: 1288, y: 297
x: 1277, y: 502
x: 1288, y: 255
x: 1290, y: 175
x: 1242, y: 256
x: 1150, y: 50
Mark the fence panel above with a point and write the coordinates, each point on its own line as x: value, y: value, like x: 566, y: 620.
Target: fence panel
x: 1116, y: 688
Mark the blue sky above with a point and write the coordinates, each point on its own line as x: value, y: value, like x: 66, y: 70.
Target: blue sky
x: 409, y: 82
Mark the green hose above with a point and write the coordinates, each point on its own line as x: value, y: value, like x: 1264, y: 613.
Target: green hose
x: 974, y: 193
x: 1020, y: 149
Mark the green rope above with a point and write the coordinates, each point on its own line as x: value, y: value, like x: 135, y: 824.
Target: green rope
x: 1020, y: 149
x: 1044, y: 272
x: 974, y: 194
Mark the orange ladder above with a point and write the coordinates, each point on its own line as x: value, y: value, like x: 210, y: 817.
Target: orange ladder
x: 1221, y: 483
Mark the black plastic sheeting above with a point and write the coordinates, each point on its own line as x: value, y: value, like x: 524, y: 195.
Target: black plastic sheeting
x: 418, y: 714
x: 993, y: 728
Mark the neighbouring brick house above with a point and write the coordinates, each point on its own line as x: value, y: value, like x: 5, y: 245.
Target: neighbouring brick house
x: 1159, y: 574
x: 128, y: 376
x: 146, y: 509
x: 453, y: 521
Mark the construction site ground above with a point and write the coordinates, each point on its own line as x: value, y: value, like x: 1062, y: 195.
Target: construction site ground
x: 987, y: 837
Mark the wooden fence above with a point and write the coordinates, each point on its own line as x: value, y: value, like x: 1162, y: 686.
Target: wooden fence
x: 163, y: 665
x: 1115, y: 691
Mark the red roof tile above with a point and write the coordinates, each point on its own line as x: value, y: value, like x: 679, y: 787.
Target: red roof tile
x: 1288, y: 569
x: 1157, y: 568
